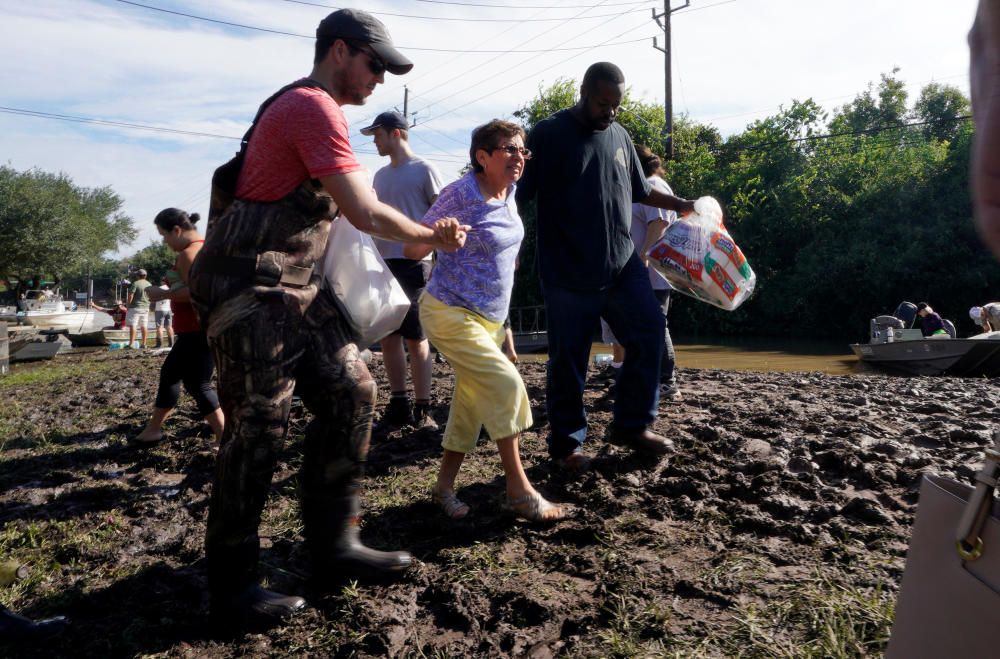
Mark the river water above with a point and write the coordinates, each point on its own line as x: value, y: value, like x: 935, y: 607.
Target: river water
x: 833, y: 357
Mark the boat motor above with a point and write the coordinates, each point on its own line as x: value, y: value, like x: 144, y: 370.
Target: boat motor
x: 906, y: 312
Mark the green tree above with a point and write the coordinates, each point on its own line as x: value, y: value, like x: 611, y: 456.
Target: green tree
x: 941, y: 107
x: 52, y: 227
x: 874, y: 108
x: 155, y: 258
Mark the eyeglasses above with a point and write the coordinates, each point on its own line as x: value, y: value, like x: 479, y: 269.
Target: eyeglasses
x: 375, y: 63
x: 511, y: 150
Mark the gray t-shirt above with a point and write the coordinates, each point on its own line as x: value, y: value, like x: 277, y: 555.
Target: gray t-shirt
x: 642, y: 215
x: 410, y: 188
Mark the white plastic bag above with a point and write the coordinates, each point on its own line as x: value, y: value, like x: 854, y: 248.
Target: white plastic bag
x: 699, y: 258
x: 357, y: 275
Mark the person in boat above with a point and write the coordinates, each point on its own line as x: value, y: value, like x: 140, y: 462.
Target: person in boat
x: 931, y: 323
x: 189, y: 360
x: 118, y: 313
x: 986, y: 316
x: 463, y: 311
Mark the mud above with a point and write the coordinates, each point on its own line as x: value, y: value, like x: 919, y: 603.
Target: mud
x: 777, y: 528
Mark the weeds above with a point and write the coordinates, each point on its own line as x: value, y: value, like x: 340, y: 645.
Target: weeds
x: 480, y: 562
x: 819, y: 618
x: 635, y: 627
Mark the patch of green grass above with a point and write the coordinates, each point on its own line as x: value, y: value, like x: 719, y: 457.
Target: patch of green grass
x: 734, y: 571
x: 479, y: 562
x: 397, y: 488
x: 283, y: 517
x: 636, y: 627
x: 72, y: 536
x: 47, y: 374
x: 814, y: 619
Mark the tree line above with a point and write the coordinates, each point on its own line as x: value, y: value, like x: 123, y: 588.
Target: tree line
x: 57, y: 233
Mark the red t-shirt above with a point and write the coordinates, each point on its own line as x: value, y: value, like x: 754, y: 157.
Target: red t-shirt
x: 118, y: 316
x: 302, y: 135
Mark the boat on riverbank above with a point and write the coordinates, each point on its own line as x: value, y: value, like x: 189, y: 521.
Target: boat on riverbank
x: 105, y: 337
x: 528, y: 327
x: 895, y: 347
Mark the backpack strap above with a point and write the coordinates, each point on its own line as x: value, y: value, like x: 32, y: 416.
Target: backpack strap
x: 302, y: 82
x: 226, y: 176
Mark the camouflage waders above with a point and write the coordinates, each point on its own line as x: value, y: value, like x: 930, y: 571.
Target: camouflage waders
x: 270, y: 339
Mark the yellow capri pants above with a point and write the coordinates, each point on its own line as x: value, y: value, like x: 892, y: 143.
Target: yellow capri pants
x: 488, y: 389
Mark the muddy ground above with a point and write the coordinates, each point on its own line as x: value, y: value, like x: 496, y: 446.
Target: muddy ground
x: 778, y: 528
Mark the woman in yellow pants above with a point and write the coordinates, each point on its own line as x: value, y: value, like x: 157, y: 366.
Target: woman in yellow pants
x: 462, y: 312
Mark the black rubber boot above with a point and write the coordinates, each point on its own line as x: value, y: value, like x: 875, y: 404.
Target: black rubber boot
x: 253, y: 608
x: 18, y: 628
x: 236, y: 602
x: 337, y: 551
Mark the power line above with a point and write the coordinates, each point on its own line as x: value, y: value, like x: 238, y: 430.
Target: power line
x: 443, y: 157
x: 479, y: 67
x: 312, y: 37
x: 606, y: 43
x: 427, y: 72
x: 483, y: 81
x: 476, y: 20
x: 486, y: 4
x: 688, y: 10
x: 533, y: 74
x: 107, y: 122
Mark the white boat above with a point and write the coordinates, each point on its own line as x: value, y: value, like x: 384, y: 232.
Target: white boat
x: 46, y: 310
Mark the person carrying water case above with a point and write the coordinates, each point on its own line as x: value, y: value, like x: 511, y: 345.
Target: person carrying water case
x: 949, y: 601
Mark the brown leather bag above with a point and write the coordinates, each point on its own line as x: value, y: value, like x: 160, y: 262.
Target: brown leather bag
x: 949, y: 601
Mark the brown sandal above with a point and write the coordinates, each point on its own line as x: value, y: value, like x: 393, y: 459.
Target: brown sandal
x: 535, y: 508
x: 450, y: 504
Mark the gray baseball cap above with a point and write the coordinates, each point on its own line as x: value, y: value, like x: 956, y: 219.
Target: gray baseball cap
x: 360, y: 26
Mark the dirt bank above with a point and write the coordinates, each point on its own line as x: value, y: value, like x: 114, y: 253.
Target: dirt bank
x: 778, y: 528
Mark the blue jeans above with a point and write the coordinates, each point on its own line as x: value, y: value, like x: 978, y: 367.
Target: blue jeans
x: 636, y: 318
x: 669, y: 363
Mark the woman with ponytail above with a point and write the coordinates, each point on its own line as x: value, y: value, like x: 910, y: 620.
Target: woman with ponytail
x: 190, y: 360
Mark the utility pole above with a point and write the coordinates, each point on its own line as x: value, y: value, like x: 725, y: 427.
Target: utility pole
x: 668, y: 99
x: 406, y: 107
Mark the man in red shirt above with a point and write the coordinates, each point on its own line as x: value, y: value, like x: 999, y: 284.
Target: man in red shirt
x: 274, y: 330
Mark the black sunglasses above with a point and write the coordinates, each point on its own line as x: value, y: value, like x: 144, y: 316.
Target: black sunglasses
x: 375, y: 63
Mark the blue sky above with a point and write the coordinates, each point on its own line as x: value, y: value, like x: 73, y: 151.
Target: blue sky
x: 734, y: 61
